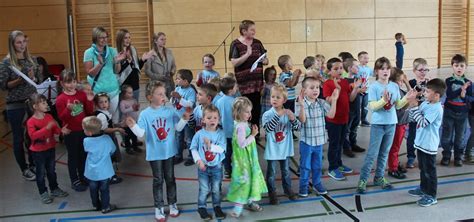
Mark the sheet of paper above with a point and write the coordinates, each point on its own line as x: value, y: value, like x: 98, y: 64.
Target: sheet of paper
x: 22, y: 75
x: 255, y: 64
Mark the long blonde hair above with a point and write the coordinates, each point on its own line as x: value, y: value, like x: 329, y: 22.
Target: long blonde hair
x: 11, y: 49
x: 156, y: 36
x: 119, y: 39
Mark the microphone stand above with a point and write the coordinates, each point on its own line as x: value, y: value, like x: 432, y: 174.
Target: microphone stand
x: 225, y: 52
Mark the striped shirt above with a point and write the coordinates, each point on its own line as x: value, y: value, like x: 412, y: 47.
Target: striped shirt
x: 313, y: 130
x: 286, y: 76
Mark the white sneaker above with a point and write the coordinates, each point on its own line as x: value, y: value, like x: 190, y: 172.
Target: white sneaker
x: 29, y: 175
x: 160, y: 215
x: 174, y: 211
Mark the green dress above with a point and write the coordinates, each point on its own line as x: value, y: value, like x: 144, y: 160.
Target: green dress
x: 247, y: 183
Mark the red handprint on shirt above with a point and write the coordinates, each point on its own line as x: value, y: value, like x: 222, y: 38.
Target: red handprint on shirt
x: 389, y: 104
x: 280, y: 132
x: 161, y: 130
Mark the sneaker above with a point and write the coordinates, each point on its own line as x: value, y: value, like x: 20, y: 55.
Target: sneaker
x: 45, y: 198
x: 109, y: 209
x: 458, y: 163
x: 348, y: 152
x: 189, y: 162
x: 160, y: 215
x: 302, y: 195
x: 220, y: 215
x: 236, y: 212
x: 416, y: 192
x: 204, y: 214
x: 397, y: 174
x: 29, y: 175
x: 254, y: 207
x: 365, y: 123
x: 427, y: 201
x: 177, y: 160
x: 384, y: 183
x: 410, y: 163
x: 137, y: 149
x: 345, y: 169
x: 273, y: 199
x: 78, y: 186
x: 356, y: 148
x: 228, y: 174
x: 115, y: 179
x: 320, y: 189
x: 292, y: 196
x: 445, y: 161
x: 59, y: 193
x: 174, y: 211
x: 336, y: 174
x: 361, y: 186
x: 401, y: 169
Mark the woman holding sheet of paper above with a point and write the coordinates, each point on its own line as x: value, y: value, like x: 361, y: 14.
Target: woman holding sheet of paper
x: 19, y: 90
x: 244, y: 52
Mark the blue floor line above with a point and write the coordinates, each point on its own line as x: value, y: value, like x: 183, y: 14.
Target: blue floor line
x: 62, y: 205
x: 264, y: 204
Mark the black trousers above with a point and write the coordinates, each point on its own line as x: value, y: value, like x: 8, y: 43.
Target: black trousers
x: 428, y: 178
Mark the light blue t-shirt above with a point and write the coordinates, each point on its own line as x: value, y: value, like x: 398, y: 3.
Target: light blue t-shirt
x: 98, y: 163
x: 107, y: 81
x: 225, y: 110
x: 188, y: 94
x: 427, y: 138
x: 291, y: 90
x: 197, y: 113
x: 159, y: 125
x: 217, y: 97
x: 384, y: 116
x: 365, y: 71
x: 216, y: 138
x: 279, y: 143
x: 207, y: 75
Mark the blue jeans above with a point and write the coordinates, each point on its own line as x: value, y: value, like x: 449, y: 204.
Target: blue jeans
x: 336, y: 134
x: 228, y: 157
x: 184, y: 141
x: 210, y: 181
x: 100, y: 189
x: 285, y: 174
x: 16, y: 118
x: 311, y: 161
x: 381, y: 138
x: 411, y: 140
x: 364, y: 99
x: 45, y: 166
x: 470, y: 142
x: 454, y: 125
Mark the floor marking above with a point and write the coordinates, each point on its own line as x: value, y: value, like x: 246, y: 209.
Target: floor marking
x: 358, y: 203
x: 62, y: 205
x: 344, y: 210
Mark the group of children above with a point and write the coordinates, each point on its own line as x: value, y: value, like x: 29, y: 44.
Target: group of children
x: 212, y: 121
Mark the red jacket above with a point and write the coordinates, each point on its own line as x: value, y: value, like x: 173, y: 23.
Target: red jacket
x: 41, y: 138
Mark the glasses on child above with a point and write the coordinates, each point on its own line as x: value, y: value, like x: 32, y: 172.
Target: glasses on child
x: 423, y: 70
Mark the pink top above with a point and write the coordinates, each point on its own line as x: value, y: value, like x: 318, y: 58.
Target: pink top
x: 242, y: 138
x: 127, y: 108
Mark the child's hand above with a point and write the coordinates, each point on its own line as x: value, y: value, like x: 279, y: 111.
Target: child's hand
x: 254, y: 130
x: 386, y: 96
x: 201, y: 165
x: 130, y: 122
x: 65, y: 130
x: 175, y: 95
x: 51, y: 125
x: 290, y: 114
x: 411, y: 95
x: 297, y: 72
x: 207, y: 142
x: 301, y: 98
x: 90, y: 95
x: 187, y: 114
x: 467, y: 84
x: 358, y: 83
x: 335, y: 94
x: 69, y: 105
x: 121, y: 130
x: 363, y: 89
x: 136, y: 107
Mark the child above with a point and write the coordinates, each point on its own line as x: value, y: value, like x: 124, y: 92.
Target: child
x: 420, y: 69
x: 428, y: 118
x: 208, y: 147
x: 456, y: 111
x: 247, y: 184
x: 42, y: 129
x: 269, y: 75
x: 208, y: 73
x: 384, y: 98
x: 394, y: 169
x: 129, y: 107
x: 311, y: 113
x: 279, y: 124
x: 184, y: 96
x: 229, y: 88
x: 99, y: 169
x: 337, y: 126
x: 350, y: 142
x: 216, y: 82
x: 102, y: 102
x: 344, y: 56
x: 204, y: 97
x: 322, y: 62
x: 160, y: 123
x: 73, y: 105
x: 289, y: 80
x: 365, y: 72
x: 400, y: 41
x: 310, y: 63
